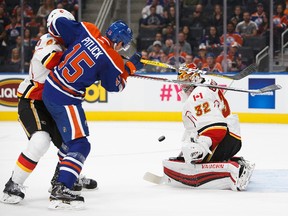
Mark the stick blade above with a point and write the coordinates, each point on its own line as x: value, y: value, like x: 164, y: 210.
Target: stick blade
x: 245, y: 72
x: 150, y: 177
x: 270, y: 88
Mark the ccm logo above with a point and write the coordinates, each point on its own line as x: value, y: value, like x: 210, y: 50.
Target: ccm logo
x: 8, y: 92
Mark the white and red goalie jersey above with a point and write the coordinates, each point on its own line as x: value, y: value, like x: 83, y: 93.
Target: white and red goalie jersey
x: 205, y: 113
x: 47, y: 55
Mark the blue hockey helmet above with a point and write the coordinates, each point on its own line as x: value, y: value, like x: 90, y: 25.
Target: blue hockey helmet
x: 119, y: 31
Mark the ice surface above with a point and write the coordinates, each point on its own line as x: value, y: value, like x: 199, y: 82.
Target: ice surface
x: 123, y: 151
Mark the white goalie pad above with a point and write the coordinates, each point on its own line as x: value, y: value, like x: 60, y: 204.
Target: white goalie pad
x: 220, y: 175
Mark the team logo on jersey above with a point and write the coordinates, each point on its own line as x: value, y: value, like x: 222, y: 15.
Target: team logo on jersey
x: 8, y: 92
x: 261, y: 101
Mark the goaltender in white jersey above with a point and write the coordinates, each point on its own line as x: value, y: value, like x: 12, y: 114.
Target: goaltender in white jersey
x: 209, y: 144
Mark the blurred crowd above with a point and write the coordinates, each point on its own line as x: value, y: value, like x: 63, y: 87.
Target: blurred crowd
x: 35, y: 15
x: 201, y: 37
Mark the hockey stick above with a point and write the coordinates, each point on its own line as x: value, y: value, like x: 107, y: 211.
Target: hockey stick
x: 245, y: 72
x: 150, y: 177
x: 252, y: 91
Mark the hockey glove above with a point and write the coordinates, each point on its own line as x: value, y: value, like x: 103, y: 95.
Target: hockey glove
x: 195, y: 152
x: 134, y: 63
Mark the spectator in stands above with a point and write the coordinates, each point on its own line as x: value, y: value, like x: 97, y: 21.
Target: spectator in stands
x: 211, y: 65
x: 33, y: 26
x: 237, y: 16
x: 197, y: 19
x: 247, y: 28
x: 153, y: 20
x: 216, y: 19
x: 168, y: 4
x: 45, y: 9
x: 146, y: 68
x: 191, y: 3
x: 4, y: 19
x: 168, y: 44
x: 13, y: 30
x: 184, y: 45
x: 286, y: 8
x: 28, y: 11
x: 146, y: 11
x: 238, y: 65
x: 212, y: 39
x: 28, y: 46
x: 200, y: 59
x: 172, y: 57
x: 59, y: 6
x: 231, y: 56
x: 14, y: 63
x: 187, y: 34
x: 188, y: 59
x: 231, y: 36
x: 71, y: 6
x: 280, y: 23
x: 168, y: 33
x: 259, y: 15
x: 155, y: 54
x: 263, y: 28
x: 163, y: 58
x: 170, y: 17
x: 158, y: 37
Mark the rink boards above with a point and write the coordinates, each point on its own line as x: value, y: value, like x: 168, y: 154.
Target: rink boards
x: 146, y: 100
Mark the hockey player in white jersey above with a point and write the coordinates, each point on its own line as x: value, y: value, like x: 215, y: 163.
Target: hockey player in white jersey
x: 210, y: 141
x: 36, y: 121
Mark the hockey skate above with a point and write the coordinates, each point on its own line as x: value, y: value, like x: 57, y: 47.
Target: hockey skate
x: 245, y: 174
x: 81, y: 182
x: 63, y: 198
x: 13, y: 193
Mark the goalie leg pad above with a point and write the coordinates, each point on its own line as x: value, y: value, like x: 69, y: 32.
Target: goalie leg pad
x: 220, y: 175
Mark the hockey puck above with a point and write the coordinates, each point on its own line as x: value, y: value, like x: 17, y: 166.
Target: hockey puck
x: 161, y: 138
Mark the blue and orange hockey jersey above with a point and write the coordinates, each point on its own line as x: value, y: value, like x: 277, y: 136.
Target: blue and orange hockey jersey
x: 89, y: 57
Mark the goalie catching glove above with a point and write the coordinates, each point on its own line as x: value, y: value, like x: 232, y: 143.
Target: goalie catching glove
x: 195, y: 151
x: 134, y: 63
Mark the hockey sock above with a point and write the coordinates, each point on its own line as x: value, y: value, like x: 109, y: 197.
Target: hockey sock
x: 72, y: 163
x: 28, y: 159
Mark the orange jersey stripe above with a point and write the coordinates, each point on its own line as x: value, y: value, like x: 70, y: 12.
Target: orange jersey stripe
x: 54, y: 78
x: 70, y: 164
x: 78, y: 132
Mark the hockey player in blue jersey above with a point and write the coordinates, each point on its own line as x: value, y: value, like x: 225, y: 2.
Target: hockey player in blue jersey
x: 89, y: 57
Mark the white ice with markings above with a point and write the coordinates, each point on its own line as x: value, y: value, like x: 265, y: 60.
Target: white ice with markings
x: 123, y: 151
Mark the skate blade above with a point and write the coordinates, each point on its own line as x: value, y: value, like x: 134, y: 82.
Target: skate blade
x: 59, y: 205
x: 10, y: 199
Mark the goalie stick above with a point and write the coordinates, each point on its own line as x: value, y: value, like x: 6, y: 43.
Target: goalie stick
x: 252, y: 91
x: 150, y: 177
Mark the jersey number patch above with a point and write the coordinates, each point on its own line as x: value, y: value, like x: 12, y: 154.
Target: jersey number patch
x: 74, y: 61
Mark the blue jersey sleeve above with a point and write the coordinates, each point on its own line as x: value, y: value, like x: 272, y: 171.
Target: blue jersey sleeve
x: 65, y: 30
